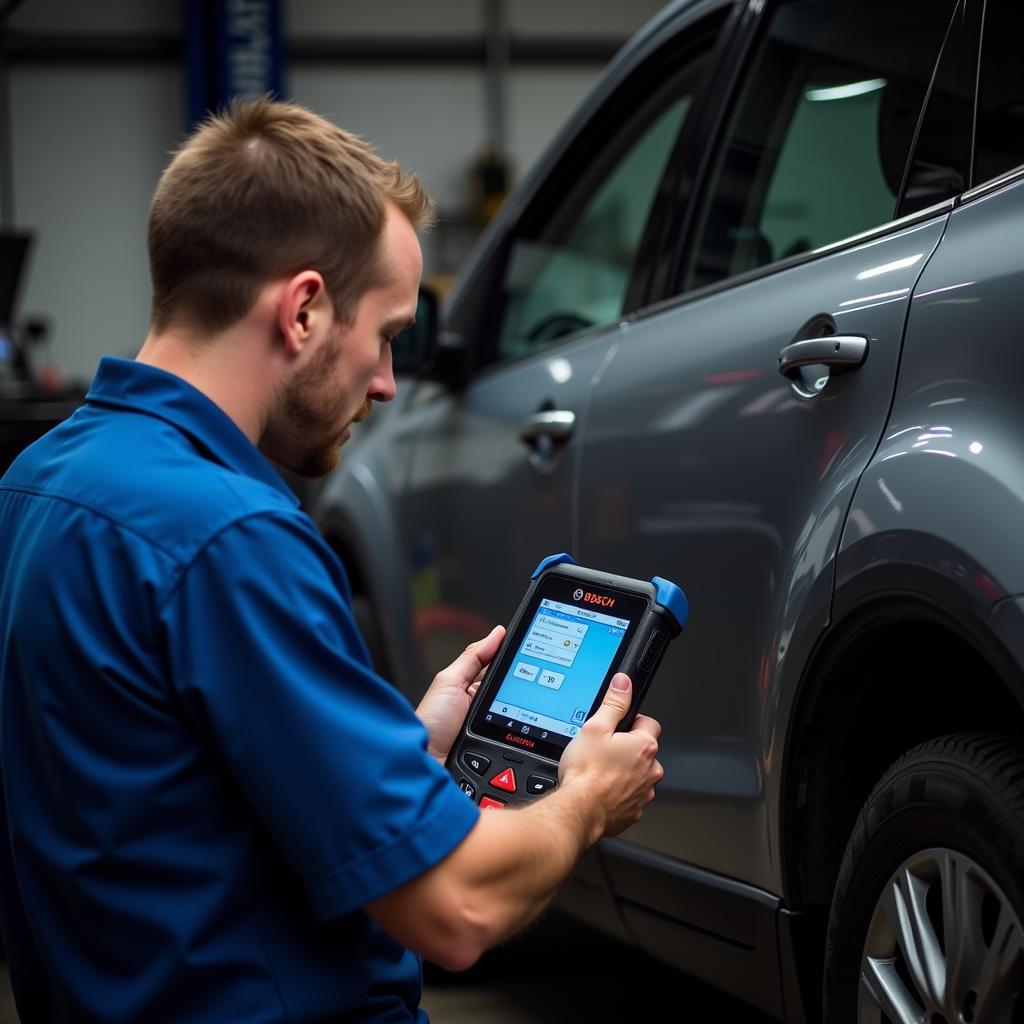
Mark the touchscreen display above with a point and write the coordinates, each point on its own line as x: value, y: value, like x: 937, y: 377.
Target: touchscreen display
x: 555, y: 674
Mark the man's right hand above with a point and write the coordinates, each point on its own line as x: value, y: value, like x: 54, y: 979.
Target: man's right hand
x: 616, y: 770
x: 509, y: 866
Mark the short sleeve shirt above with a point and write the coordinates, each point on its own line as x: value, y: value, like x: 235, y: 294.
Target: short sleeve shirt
x: 204, y: 781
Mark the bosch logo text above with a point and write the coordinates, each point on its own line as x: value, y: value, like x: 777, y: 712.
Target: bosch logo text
x: 605, y: 602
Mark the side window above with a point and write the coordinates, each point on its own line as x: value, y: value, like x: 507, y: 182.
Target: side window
x: 571, y: 269
x: 941, y: 164
x: 818, y: 143
x: 999, y: 132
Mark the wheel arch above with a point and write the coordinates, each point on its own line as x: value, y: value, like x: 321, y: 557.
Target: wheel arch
x: 838, y: 746
x: 858, y: 709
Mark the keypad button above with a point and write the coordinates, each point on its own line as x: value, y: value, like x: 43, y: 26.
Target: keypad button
x: 468, y: 788
x: 489, y: 802
x: 537, y: 784
x: 476, y: 763
x: 505, y: 780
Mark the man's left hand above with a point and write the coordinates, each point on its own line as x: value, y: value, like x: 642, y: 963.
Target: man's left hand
x: 445, y: 705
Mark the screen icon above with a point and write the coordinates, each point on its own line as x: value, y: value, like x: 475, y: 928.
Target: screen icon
x: 552, y: 680
x: 579, y: 715
x: 524, y: 670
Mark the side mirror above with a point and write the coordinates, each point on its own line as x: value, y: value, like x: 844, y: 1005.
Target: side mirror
x: 424, y: 350
x: 415, y: 349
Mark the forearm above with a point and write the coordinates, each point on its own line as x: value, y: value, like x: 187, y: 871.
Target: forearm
x: 496, y: 881
x: 516, y: 860
x: 513, y: 861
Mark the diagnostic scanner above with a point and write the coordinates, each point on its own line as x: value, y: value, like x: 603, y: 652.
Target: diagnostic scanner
x: 574, y: 629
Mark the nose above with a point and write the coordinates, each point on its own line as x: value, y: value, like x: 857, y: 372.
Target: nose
x: 382, y: 385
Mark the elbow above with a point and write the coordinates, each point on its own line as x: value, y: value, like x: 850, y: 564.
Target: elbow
x: 462, y: 939
x: 457, y: 958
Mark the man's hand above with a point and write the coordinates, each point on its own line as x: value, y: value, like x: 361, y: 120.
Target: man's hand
x: 506, y: 870
x: 619, y: 769
x: 445, y: 705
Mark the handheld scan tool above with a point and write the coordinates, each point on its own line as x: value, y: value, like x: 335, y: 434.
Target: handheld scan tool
x: 574, y: 629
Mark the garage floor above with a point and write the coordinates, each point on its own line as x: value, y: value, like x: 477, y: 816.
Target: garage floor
x: 554, y: 973
x: 559, y: 971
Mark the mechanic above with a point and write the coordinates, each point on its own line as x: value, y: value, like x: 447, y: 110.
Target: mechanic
x: 215, y: 810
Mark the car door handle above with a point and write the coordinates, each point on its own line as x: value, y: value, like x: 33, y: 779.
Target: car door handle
x: 554, y: 424
x: 841, y: 353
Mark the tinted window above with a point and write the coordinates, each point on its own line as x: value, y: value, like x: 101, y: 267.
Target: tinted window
x: 941, y: 164
x: 574, y: 271
x: 999, y: 136
x: 819, y: 140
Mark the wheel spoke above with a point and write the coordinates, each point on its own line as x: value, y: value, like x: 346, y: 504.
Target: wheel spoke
x: 1001, y: 971
x: 886, y: 988
x: 962, y: 900
x: 904, y: 905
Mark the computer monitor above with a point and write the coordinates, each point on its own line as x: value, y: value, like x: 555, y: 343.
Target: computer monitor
x: 13, y: 252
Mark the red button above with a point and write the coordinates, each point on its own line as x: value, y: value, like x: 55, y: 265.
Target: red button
x: 505, y: 780
x: 486, y: 801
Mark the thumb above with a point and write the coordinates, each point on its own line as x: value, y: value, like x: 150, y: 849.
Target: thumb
x: 477, y: 656
x: 616, y: 702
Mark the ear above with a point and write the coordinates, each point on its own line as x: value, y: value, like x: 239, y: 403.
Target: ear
x: 302, y: 308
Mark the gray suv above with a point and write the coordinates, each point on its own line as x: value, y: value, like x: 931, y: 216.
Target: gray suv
x: 755, y: 323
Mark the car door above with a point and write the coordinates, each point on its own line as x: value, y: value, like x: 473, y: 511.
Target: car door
x: 489, y: 490
x: 706, y: 465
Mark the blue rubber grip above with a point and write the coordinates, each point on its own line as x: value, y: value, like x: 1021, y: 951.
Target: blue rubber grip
x: 552, y: 560
x: 672, y: 599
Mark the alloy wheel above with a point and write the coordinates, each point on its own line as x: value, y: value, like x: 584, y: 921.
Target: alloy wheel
x: 944, y: 946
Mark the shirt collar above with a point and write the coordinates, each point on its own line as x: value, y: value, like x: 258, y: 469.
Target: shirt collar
x: 126, y: 384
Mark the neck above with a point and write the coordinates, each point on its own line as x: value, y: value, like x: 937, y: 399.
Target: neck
x: 223, y: 367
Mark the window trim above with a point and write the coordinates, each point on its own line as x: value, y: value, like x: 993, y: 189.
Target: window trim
x: 991, y: 185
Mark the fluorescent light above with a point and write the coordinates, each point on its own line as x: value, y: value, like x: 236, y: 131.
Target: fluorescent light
x: 845, y: 92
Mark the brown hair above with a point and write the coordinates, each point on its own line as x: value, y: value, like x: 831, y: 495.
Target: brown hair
x: 264, y: 190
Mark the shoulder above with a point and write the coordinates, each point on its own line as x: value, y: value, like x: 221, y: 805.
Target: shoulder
x: 143, y: 475
x: 268, y: 559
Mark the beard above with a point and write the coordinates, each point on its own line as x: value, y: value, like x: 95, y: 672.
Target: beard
x: 311, y: 408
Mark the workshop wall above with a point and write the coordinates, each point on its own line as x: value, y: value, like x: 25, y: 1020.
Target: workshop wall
x: 90, y: 136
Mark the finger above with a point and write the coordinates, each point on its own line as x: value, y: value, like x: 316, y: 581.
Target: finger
x: 615, y: 704
x: 644, y: 723
x: 477, y: 656
x: 473, y: 687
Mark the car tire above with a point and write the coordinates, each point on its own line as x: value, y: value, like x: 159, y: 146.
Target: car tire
x: 926, y: 919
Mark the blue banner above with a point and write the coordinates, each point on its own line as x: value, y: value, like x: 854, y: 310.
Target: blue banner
x: 234, y: 49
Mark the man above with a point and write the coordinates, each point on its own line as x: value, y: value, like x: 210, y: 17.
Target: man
x: 215, y: 810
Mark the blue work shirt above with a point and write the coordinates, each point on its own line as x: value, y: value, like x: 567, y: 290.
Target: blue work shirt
x: 204, y: 780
